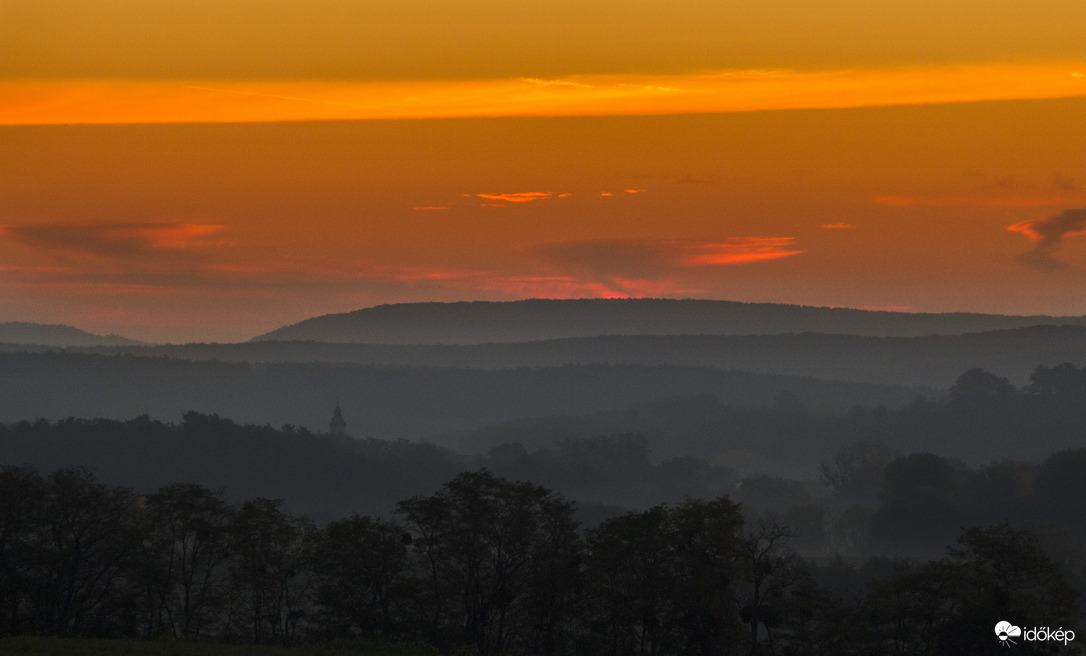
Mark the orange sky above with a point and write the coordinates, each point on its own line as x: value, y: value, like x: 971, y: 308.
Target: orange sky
x: 211, y: 170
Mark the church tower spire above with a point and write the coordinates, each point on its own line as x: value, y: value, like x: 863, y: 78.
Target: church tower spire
x: 337, y: 427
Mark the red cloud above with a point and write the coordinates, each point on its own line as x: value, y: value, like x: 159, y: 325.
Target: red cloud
x: 739, y: 250
x: 1048, y: 232
x: 519, y: 197
x: 656, y: 266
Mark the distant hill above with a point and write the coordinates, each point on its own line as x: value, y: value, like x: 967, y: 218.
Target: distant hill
x: 933, y: 360
x: 355, y: 476
x: 379, y: 401
x: 482, y: 322
x: 980, y: 421
x: 782, y: 439
x: 21, y: 332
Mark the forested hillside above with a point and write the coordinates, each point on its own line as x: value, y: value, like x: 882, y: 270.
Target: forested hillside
x: 379, y: 401
x: 647, y: 454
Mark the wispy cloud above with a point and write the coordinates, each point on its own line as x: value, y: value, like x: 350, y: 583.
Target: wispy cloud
x: 664, y: 266
x: 1048, y: 234
x: 1039, y: 200
x: 24, y: 102
x: 631, y: 257
x: 1064, y: 182
x: 738, y: 250
x: 11, y: 268
x: 113, y: 259
x: 123, y: 240
x: 92, y: 288
x: 974, y: 201
x: 555, y: 83
x: 593, y: 268
x: 689, y: 178
x: 837, y: 226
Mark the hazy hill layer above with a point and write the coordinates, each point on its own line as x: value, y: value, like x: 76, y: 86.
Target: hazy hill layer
x: 539, y: 319
x: 20, y: 332
x: 934, y: 360
x: 383, y: 402
x: 355, y: 476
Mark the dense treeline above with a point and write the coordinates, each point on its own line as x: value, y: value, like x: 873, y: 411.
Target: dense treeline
x: 912, y: 505
x: 883, y: 503
x: 319, y: 475
x: 982, y: 418
x: 489, y: 566
x: 328, y: 477
x: 870, y: 500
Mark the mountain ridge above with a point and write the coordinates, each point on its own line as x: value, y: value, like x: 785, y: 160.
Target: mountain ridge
x: 481, y: 322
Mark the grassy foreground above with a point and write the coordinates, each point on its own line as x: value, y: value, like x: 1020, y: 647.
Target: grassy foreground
x: 35, y: 646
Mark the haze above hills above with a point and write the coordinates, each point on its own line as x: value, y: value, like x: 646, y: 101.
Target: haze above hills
x: 753, y: 388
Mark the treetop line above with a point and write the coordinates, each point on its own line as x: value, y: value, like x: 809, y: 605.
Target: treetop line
x: 491, y: 566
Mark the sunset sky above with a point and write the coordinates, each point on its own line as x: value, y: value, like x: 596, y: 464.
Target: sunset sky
x: 205, y: 170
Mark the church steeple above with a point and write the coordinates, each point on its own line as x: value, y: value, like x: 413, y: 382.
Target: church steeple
x: 337, y: 427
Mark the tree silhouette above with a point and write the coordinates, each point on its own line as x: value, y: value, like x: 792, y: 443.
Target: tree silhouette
x: 270, y: 553
x: 23, y: 493
x: 663, y: 581
x: 480, y: 540
x: 80, y: 553
x: 362, y: 573
x: 191, y: 546
x: 771, y: 569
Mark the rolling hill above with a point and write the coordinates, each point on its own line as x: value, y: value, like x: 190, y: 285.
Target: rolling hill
x: 482, y: 322
x: 932, y: 360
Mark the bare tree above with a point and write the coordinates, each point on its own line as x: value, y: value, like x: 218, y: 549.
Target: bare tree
x: 772, y: 570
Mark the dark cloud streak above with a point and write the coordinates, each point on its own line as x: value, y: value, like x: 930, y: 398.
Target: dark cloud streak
x: 1048, y: 235
x: 116, y: 240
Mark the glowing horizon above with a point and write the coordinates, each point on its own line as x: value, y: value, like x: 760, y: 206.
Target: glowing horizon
x: 213, y: 169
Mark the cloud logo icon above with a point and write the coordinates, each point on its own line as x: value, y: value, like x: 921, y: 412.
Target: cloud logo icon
x: 1005, y: 631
